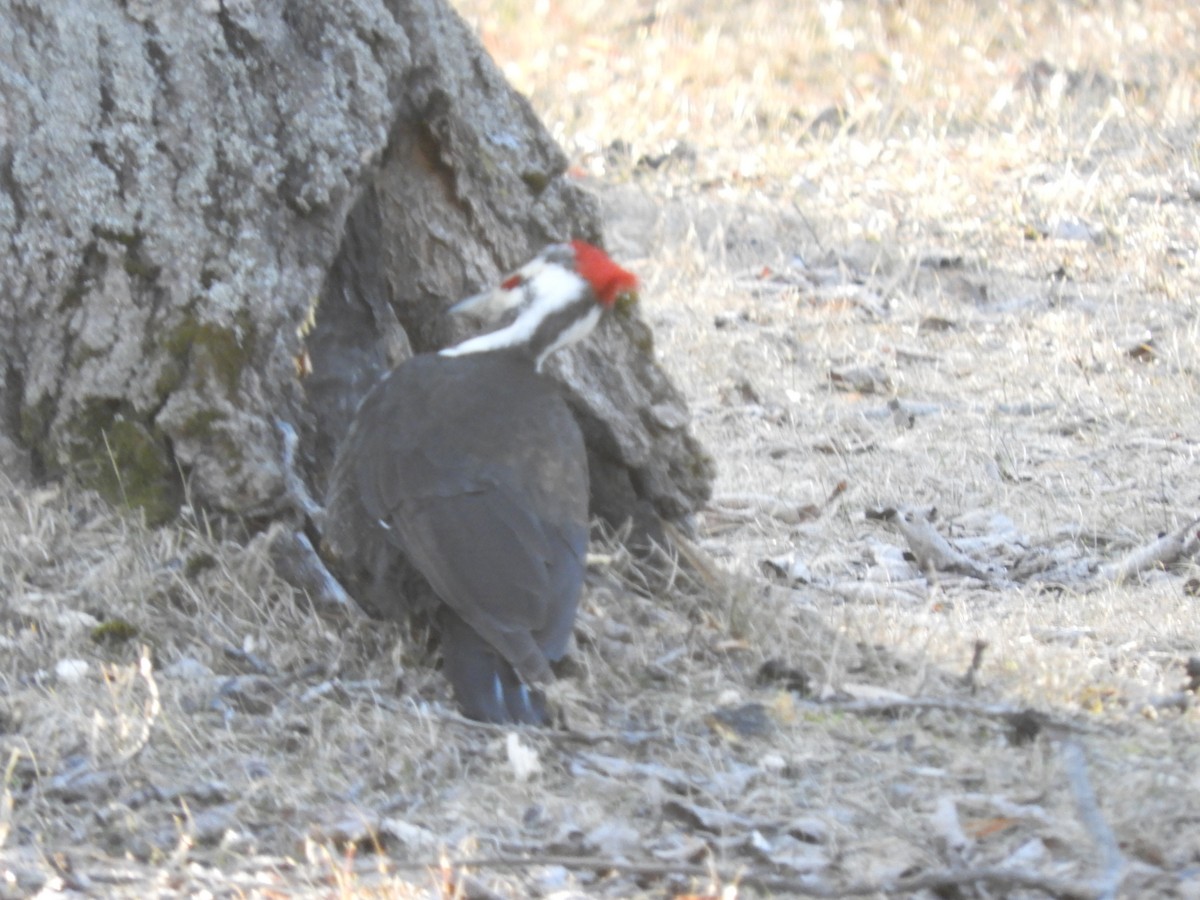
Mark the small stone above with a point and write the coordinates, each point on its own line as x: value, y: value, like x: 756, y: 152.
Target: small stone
x: 187, y: 669
x: 70, y: 671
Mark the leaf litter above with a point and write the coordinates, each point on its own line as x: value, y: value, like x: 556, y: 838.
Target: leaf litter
x: 1005, y: 709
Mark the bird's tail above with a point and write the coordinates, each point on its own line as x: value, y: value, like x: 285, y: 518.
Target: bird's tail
x: 485, y: 684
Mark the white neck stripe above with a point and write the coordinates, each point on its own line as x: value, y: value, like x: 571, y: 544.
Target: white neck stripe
x: 556, y: 289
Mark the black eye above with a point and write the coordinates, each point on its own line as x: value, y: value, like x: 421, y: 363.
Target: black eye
x: 511, y: 282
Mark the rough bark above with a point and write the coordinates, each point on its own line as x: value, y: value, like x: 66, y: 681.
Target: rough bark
x: 202, y: 199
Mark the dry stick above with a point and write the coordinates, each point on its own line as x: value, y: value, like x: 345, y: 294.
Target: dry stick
x: 1089, y: 811
x: 1011, y: 714
x: 969, y: 679
x: 807, y: 224
x: 6, y: 799
x: 933, y: 552
x: 994, y: 876
x: 1163, y: 551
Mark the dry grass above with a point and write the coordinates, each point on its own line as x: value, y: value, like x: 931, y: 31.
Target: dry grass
x: 988, y: 208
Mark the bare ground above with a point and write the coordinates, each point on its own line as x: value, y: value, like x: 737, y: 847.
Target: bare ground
x: 899, y: 257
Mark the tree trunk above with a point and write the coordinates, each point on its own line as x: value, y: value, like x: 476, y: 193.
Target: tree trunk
x: 223, y: 216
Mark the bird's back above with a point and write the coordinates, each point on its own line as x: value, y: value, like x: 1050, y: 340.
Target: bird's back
x: 474, y: 468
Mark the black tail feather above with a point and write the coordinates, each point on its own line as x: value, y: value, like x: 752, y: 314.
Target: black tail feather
x: 486, y: 686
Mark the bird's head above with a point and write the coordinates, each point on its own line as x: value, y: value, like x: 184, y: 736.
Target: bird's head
x: 553, y: 300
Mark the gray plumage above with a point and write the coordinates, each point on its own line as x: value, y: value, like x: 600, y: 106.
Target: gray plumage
x: 470, y: 464
x: 474, y: 468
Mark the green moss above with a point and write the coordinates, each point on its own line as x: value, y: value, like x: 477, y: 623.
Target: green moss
x: 127, y: 239
x: 35, y: 422
x: 81, y: 353
x: 703, y: 466
x: 137, y: 268
x: 170, y: 378
x: 199, y: 425
x: 124, y: 460
x: 535, y: 181
x: 73, y: 296
x: 114, y: 632
x: 626, y: 302
x: 214, y: 351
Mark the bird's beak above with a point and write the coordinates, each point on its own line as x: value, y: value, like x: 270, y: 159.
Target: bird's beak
x: 491, y: 305
x: 472, y: 306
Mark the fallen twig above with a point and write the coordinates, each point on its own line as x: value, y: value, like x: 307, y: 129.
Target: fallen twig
x: 750, y: 507
x: 1161, y: 552
x: 970, y: 679
x: 1113, y: 864
x: 152, y: 708
x: 1026, y: 721
x: 297, y: 560
x: 932, y: 551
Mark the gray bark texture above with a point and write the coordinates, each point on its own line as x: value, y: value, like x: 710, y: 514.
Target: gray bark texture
x: 224, y: 215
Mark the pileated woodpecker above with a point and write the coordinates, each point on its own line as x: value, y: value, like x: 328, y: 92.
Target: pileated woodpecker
x: 470, y: 464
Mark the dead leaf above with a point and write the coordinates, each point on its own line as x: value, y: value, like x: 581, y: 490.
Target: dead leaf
x: 871, y: 692
x: 1143, y: 351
